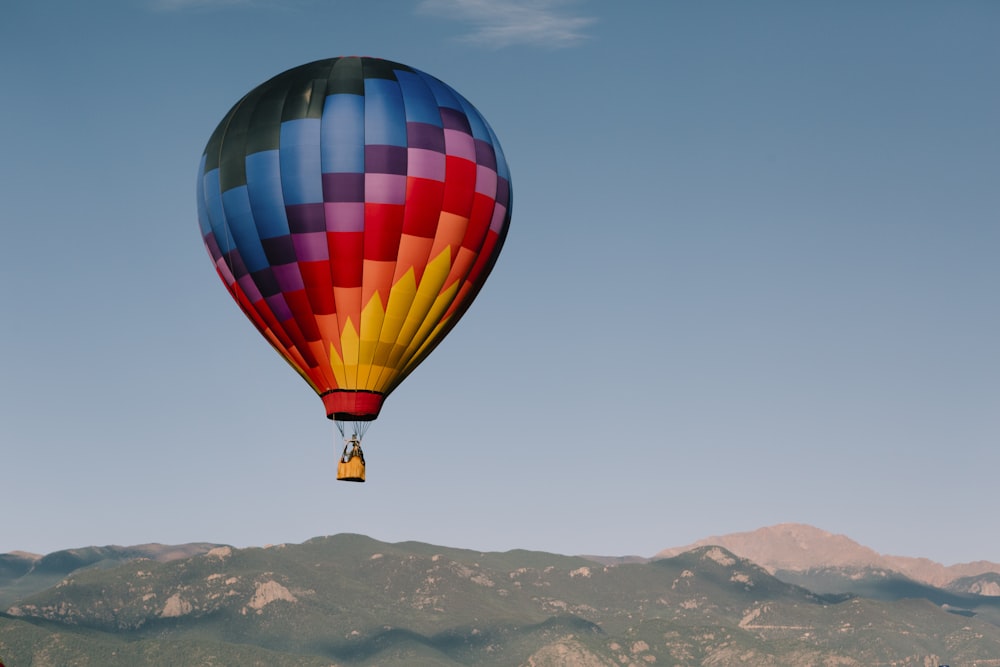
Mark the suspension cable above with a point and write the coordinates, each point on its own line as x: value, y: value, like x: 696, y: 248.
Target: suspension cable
x: 358, y: 428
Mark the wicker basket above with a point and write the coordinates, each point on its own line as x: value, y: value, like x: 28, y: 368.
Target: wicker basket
x: 351, y: 467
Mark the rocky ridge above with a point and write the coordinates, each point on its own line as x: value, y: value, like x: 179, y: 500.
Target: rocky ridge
x: 798, y: 547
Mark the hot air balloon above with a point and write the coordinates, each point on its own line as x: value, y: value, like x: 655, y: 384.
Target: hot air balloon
x: 353, y: 207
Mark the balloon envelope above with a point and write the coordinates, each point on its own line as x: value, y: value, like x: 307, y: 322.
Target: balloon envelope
x: 353, y: 207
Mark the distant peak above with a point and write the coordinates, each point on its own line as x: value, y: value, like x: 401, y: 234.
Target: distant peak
x: 799, y: 547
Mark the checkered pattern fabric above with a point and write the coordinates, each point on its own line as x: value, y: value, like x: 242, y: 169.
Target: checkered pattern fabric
x: 353, y: 207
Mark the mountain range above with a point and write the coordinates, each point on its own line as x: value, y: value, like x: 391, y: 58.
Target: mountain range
x: 793, y: 547
x: 805, y: 598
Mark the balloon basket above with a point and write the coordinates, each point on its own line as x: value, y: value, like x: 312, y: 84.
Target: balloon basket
x: 351, y: 467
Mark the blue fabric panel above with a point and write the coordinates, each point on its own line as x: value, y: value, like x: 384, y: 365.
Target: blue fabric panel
x: 476, y: 122
x: 301, y: 178
x: 502, y: 170
x: 266, y: 198
x: 342, y: 134
x: 216, y: 212
x: 418, y: 100
x: 444, y: 95
x: 243, y: 229
x: 203, y: 219
x: 385, y: 121
x: 300, y: 132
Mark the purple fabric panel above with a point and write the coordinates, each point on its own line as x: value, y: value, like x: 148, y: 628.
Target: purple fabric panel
x: 426, y: 164
x: 250, y: 289
x: 279, y: 250
x: 235, y: 261
x: 305, y: 218
x: 343, y: 187
x: 422, y: 135
x: 499, y: 213
x: 385, y: 159
x: 279, y: 307
x: 455, y: 120
x: 311, y: 247
x: 223, y: 269
x: 385, y: 189
x: 486, y: 181
x: 212, y: 245
x: 345, y: 216
x: 288, y: 277
x: 266, y: 282
x: 460, y: 144
x: 503, y: 192
x: 485, y: 155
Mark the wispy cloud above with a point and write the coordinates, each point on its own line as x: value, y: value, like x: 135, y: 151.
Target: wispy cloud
x: 500, y: 23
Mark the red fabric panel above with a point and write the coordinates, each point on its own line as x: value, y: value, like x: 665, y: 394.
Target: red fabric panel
x: 298, y: 350
x: 298, y: 302
x: 423, y: 206
x: 319, y: 286
x: 346, y: 258
x: 479, y: 221
x: 383, y: 227
x: 353, y: 405
x: 459, y: 186
x: 267, y: 320
x: 483, y: 260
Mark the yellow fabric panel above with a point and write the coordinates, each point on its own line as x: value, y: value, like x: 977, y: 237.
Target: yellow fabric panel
x: 396, y: 355
x: 431, y: 326
x: 371, y: 324
x: 337, y: 366
x: 430, y: 285
x: 400, y: 300
x: 351, y: 345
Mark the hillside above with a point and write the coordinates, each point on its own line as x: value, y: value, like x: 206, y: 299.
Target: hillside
x: 22, y: 574
x: 350, y: 600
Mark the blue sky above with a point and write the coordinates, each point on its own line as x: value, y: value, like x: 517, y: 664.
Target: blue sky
x: 751, y: 278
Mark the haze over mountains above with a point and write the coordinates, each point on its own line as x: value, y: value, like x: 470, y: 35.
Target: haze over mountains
x: 807, y: 597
